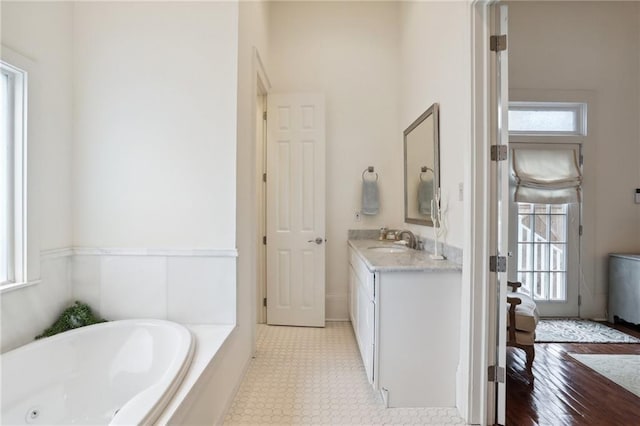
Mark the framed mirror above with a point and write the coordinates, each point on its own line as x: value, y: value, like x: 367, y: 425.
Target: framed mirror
x: 422, y: 168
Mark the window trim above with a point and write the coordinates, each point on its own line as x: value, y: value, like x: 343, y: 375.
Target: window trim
x: 17, y: 193
x: 578, y: 108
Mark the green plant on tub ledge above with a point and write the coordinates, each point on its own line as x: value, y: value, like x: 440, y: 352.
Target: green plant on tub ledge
x: 77, y: 315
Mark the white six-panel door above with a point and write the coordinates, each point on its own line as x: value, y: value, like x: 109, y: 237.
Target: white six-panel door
x: 296, y: 209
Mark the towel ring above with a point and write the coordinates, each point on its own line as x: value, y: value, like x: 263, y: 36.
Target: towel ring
x: 369, y: 169
x: 423, y: 170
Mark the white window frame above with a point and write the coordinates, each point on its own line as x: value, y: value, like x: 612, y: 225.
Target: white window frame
x: 579, y: 109
x: 16, y: 109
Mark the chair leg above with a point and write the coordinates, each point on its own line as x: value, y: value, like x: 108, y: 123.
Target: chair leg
x: 531, y: 354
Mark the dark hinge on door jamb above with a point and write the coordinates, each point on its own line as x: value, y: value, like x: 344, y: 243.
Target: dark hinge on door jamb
x: 499, y: 152
x: 497, y: 263
x: 498, y: 43
x: 264, y: 177
x: 264, y: 115
x: 264, y: 240
x: 580, y: 230
x: 496, y: 374
x: 264, y: 302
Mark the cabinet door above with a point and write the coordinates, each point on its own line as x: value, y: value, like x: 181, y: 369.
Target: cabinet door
x: 369, y: 347
x: 353, y: 298
x: 366, y: 329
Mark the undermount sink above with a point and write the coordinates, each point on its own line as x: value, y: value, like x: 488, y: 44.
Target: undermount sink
x: 385, y: 249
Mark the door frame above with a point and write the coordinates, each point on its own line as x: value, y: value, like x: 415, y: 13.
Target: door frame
x: 484, y: 335
x: 261, y: 85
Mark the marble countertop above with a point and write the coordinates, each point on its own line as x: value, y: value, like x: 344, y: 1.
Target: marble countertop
x: 631, y: 256
x: 409, y: 260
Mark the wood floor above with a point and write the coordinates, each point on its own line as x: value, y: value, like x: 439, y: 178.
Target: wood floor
x: 564, y: 391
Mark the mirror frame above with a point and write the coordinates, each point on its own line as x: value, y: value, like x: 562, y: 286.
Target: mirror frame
x: 433, y: 110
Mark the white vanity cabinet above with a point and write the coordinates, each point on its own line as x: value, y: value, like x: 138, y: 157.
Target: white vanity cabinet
x: 406, y: 321
x: 362, y: 310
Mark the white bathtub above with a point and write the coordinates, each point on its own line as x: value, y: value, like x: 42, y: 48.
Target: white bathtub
x: 117, y: 373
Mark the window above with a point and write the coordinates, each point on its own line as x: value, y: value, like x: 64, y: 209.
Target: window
x: 542, y: 250
x: 547, y: 118
x: 12, y: 174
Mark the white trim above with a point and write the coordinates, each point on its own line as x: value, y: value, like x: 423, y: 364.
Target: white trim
x: 17, y: 171
x: 472, y: 386
x: 56, y: 253
x: 30, y: 250
x: 261, y: 86
x: 15, y: 286
x: 116, y: 251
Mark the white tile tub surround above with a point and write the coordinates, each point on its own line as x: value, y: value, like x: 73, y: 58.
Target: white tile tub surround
x: 186, y: 286
x: 194, y: 284
x: 133, y: 285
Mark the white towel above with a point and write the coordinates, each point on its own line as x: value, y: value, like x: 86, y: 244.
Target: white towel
x: 425, y: 195
x: 370, y: 197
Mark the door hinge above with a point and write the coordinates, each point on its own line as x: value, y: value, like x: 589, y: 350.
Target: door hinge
x: 264, y: 177
x: 580, y: 230
x: 264, y: 240
x: 498, y: 43
x: 264, y: 115
x: 579, y: 300
x: 499, y: 152
x: 497, y: 263
x: 496, y: 374
x: 581, y: 159
x: 264, y: 302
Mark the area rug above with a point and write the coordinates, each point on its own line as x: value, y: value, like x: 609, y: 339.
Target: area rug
x: 579, y: 331
x: 623, y: 370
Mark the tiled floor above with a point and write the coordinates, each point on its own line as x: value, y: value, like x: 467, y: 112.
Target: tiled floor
x: 306, y: 376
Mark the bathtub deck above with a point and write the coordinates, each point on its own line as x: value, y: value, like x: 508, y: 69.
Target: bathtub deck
x: 209, y: 339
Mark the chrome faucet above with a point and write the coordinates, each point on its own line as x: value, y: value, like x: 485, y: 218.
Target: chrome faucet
x: 411, y: 243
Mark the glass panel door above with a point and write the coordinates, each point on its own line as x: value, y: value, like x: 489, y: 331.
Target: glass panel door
x: 544, y: 242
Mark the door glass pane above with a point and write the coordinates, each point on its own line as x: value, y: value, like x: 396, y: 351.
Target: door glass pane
x: 526, y: 278
x: 525, y: 228
x: 541, y: 257
x: 541, y: 208
x: 525, y: 257
x: 540, y: 286
x: 558, y: 228
x: 542, y: 250
x: 557, y: 286
x: 558, y: 257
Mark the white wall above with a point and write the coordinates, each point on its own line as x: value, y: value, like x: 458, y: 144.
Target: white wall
x: 220, y: 384
x: 41, y: 34
x: 350, y: 52
x: 138, y: 103
x: 435, y: 68
x: 155, y: 124
x: 436, y: 64
x: 594, y: 47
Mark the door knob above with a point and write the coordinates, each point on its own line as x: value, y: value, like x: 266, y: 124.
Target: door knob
x: 317, y: 241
